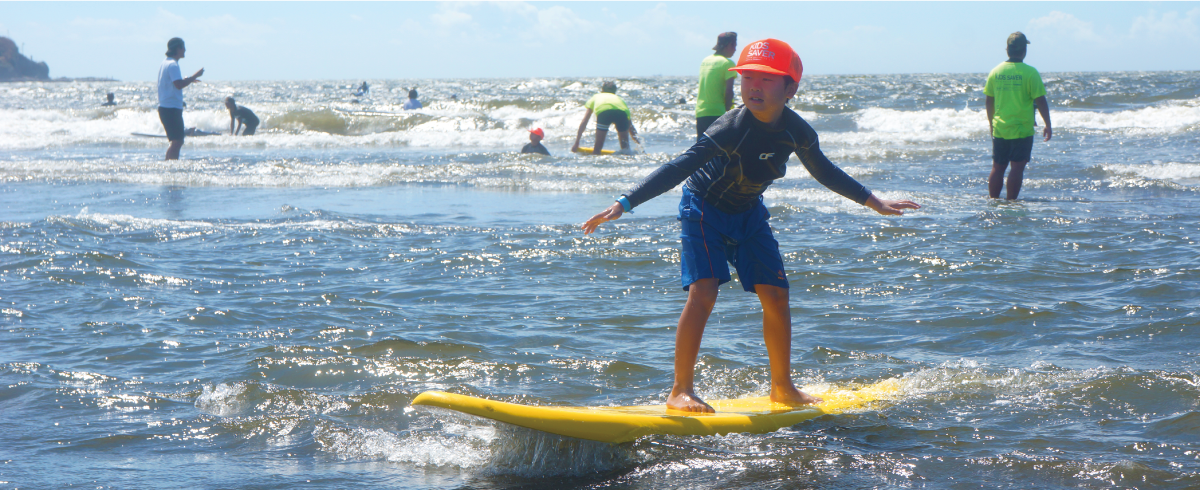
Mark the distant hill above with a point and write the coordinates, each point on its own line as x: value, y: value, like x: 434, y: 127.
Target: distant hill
x: 14, y: 66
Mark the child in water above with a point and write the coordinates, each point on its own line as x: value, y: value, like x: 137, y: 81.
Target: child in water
x: 535, y: 143
x: 723, y: 216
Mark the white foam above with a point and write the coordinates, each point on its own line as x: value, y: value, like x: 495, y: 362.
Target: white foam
x: 1173, y: 117
x: 1182, y: 173
x: 222, y: 400
x: 878, y: 125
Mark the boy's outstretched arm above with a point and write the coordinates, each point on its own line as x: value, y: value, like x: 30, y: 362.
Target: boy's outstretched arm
x: 888, y: 206
x: 613, y: 212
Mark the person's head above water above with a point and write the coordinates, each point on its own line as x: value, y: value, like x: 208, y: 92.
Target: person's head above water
x: 1016, y: 45
x: 111, y: 96
x: 770, y: 71
x: 609, y: 86
x: 412, y: 93
x: 536, y: 135
x: 175, y: 48
x: 726, y: 44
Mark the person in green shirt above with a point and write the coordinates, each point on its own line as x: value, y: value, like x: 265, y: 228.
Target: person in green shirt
x: 610, y: 110
x: 716, y: 83
x: 1013, y: 89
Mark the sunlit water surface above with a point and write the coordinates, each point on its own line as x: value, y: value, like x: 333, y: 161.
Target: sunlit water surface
x: 262, y: 312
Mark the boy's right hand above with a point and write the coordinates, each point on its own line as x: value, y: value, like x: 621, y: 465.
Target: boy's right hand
x: 890, y: 207
x: 613, y: 212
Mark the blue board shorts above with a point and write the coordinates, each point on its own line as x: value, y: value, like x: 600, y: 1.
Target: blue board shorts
x: 712, y: 239
x: 611, y: 117
x: 1014, y: 150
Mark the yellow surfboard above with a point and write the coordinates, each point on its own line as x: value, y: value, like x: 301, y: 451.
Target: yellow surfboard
x: 588, y: 151
x: 623, y: 424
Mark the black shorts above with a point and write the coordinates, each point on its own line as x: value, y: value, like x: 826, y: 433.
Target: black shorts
x: 1018, y: 150
x: 172, y: 121
x: 250, y: 128
x: 610, y: 117
x: 703, y: 122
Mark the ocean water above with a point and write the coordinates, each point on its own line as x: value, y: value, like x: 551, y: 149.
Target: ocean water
x: 261, y: 313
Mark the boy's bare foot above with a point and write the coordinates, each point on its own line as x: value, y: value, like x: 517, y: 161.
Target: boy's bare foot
x: 687, y: 401
x: 789, y: 395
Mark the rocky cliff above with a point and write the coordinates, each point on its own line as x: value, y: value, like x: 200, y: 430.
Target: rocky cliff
x: 15, y: 66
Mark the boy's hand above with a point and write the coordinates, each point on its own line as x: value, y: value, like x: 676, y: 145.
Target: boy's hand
x: 890, y: 207
x: 1047, y: 133
x: 613, y: 212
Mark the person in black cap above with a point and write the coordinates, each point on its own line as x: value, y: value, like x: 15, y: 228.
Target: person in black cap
x: 716, y: 83
x: 170, y: 95
x: 1013, y: 89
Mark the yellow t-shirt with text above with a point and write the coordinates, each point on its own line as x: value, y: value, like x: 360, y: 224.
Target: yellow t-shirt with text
x: 1014, y: 86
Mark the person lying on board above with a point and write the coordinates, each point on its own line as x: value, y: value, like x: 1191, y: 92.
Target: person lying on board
x: 610, y: 110
x: 723, y: 216
x: 535, y: 143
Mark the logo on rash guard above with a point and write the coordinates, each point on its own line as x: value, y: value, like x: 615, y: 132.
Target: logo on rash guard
x: 765, y: 156
x: 761, y: 49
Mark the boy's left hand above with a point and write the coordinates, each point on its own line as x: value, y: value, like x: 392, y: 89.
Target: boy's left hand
x: 613, y: 212
x: 890, y: 207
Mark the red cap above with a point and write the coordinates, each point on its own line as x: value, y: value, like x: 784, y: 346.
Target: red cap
x: 539, y: 132
x: 770, y: 56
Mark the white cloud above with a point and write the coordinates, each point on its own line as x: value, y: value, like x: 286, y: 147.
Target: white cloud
x: 1061, y: 24
x: 556, y: 24
x: 451, y: 12
x: 1169, y: 26
x: 450, y: 17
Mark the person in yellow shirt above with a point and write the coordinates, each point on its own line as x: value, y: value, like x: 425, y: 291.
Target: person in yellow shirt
x: 610, y: 110
x: 1013, y: 89
x: 715, y: 96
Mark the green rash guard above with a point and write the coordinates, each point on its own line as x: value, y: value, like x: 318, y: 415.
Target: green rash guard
x: 1014, y: 86
x: 714, y: 72
x: 605, y: 101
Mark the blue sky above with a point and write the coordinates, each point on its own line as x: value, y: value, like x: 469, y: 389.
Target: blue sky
x: 390, y: 40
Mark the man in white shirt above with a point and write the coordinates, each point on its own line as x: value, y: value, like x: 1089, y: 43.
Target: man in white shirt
x: 170, y: 95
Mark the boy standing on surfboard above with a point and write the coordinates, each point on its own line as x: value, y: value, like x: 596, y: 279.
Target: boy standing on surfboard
x: 723, y: 216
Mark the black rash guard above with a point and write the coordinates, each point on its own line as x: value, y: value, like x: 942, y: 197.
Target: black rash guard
x: 245, y: 115
x: 739, y: 157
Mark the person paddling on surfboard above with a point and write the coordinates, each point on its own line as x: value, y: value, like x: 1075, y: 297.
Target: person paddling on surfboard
x: 723, y: 216
x: 610, y: 109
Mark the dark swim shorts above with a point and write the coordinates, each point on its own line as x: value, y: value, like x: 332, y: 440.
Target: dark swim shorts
x: 172, y: 121
x: 250, y: 128
x: 610, y: 117
x: 1018, y: 150
x: 711, y: 240
x: 703, y: 122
